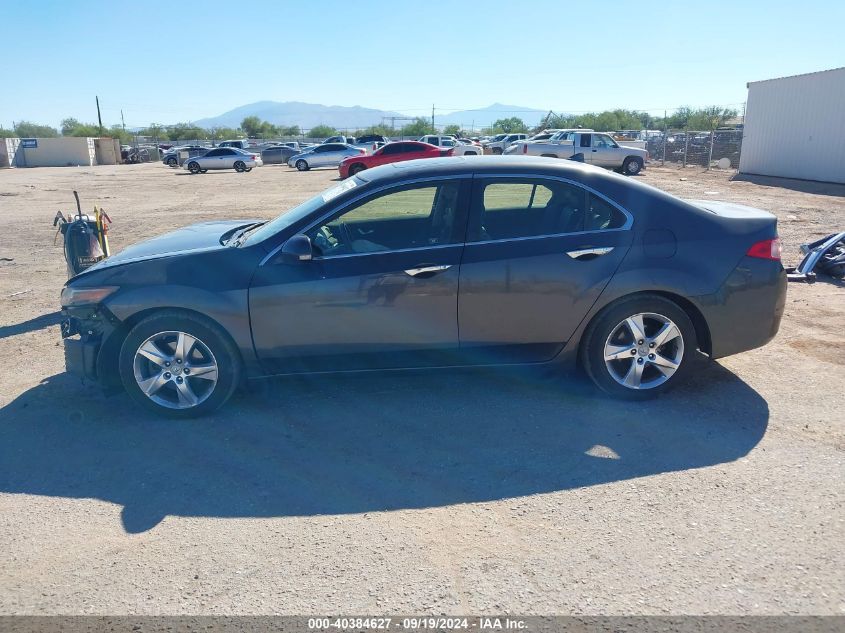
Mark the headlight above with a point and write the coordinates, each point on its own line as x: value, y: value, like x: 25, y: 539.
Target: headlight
x: 72, y: 297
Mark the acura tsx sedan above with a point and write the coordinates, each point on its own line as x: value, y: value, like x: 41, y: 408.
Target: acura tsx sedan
x: 434, y: 263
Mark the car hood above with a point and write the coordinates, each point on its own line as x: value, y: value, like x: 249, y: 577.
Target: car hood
x: 197, y: 237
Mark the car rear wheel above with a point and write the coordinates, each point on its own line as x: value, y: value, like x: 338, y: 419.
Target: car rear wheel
x: 240, y: 165
x: 179, y: 365
x: 632, y: 166
x: 356, y: 168
x: 194, y: 167
x: 639, y: 347
x: 301, y: 165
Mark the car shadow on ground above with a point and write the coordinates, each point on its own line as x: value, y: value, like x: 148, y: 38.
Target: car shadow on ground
x: 366, y: 442
x: 38, y: 323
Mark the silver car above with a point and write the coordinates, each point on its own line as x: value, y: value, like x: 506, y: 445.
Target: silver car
x: 223, y: 158
x: 324, y: 155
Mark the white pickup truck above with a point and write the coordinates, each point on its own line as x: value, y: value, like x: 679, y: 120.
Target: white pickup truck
x: 459, y: 148
x: 594, y: 148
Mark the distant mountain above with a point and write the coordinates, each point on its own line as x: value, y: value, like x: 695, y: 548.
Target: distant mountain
x: 305, y: 115
x: 484, y: 117
x: 308, y: 115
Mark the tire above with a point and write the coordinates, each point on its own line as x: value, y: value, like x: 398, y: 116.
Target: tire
x: 634, y: 374
x: 301, y: 165
x: 632, y: 166
x: 240, y: 166
x: 356, y: 168
x: 548, y: 155
x: 497, y: 150
x: 471, y: 154
x: 194, y: 167
x: 203, y: 171
x: 248, y: 169
x: 172, y: 162
x: 170, y: 386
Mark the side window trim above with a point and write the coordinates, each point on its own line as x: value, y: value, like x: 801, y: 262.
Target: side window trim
x: 477, y: 204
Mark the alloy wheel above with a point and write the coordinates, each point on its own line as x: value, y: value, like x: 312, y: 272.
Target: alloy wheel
x: 175, y: 370
x: 644, y: 351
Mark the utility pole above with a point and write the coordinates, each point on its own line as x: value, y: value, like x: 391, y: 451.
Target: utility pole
x: 122, y: 122
x: 99, y: 118
x: 433, y: 129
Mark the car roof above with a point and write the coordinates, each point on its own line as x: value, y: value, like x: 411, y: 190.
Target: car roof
x: 460, y: 165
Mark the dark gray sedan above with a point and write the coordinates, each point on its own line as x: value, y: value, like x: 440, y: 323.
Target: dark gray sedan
x: 278, y: 154
x: 440, y: 262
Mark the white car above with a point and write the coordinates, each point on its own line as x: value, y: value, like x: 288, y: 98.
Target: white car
x: 460, y: 148
x: 223, y: 158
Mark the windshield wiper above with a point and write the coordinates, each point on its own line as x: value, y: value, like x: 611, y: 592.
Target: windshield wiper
x: 236, y: 239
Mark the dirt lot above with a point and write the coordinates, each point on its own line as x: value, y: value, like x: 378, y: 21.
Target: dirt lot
x: 459, y: 492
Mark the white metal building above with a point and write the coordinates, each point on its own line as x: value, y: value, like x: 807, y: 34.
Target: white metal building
x: 795, y: 127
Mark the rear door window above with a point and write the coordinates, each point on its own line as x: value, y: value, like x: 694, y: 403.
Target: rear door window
x: 511, y: 209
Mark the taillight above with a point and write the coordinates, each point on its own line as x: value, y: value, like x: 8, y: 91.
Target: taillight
x: 767, y: 249
x: 253, y: 157
x: 362, y: 151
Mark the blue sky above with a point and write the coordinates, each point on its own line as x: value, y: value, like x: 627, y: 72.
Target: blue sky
x: 178, y: 61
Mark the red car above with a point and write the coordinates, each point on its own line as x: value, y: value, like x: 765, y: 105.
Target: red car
x: 391, y: 153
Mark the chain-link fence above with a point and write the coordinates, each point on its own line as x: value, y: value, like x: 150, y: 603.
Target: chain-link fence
x: 696, y: 147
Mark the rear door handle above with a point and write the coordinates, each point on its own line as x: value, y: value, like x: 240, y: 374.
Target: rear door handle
x: 589, y: 253
x: 427, y: 271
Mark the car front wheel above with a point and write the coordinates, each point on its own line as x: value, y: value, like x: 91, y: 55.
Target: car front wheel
x: 240, y: 166
x: 639, y: 347
x: 178, y: 364
x: 194, y: 167
x: 301, y: 165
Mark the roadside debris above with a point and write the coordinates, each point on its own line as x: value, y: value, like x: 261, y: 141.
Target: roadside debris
x: 826, y: 256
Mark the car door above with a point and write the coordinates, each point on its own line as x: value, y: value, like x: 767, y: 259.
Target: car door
x: 271, y: 155
x: 605, y: 151
x: 381, y: 290
x: 221, y: 158
x: 539, y: 253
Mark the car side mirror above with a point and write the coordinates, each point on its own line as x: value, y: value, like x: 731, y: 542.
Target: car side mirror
x: 297, y: 249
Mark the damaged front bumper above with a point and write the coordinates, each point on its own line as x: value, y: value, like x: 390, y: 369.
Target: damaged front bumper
x: 83, y: 331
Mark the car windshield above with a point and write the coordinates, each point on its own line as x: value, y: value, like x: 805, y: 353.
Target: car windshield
x: 299, y: 212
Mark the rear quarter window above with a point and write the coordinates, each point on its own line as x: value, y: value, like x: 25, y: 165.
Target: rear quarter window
x: 601, y: 215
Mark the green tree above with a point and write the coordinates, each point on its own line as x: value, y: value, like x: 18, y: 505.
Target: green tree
x: 419, y: 127
x: 510, y: 125
x: 452, y: 130
x: 224, y: 133
x: 26, y: 129
x: 383, y: 130
x: 291, y: 130
x: 6, y: 133
x: 251, y: 125
x: 321, y: 131
x: 711, y: 117
x: 187, y: 132
x: 154, y: 130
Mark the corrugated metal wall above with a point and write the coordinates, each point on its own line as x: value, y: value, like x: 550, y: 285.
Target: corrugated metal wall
x: 795, y: 127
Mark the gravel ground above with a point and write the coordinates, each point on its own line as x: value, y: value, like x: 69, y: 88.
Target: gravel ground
x: 455, y: 492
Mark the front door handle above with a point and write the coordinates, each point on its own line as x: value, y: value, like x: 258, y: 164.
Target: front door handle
x: 427, y: 271
x: 589, y: 253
